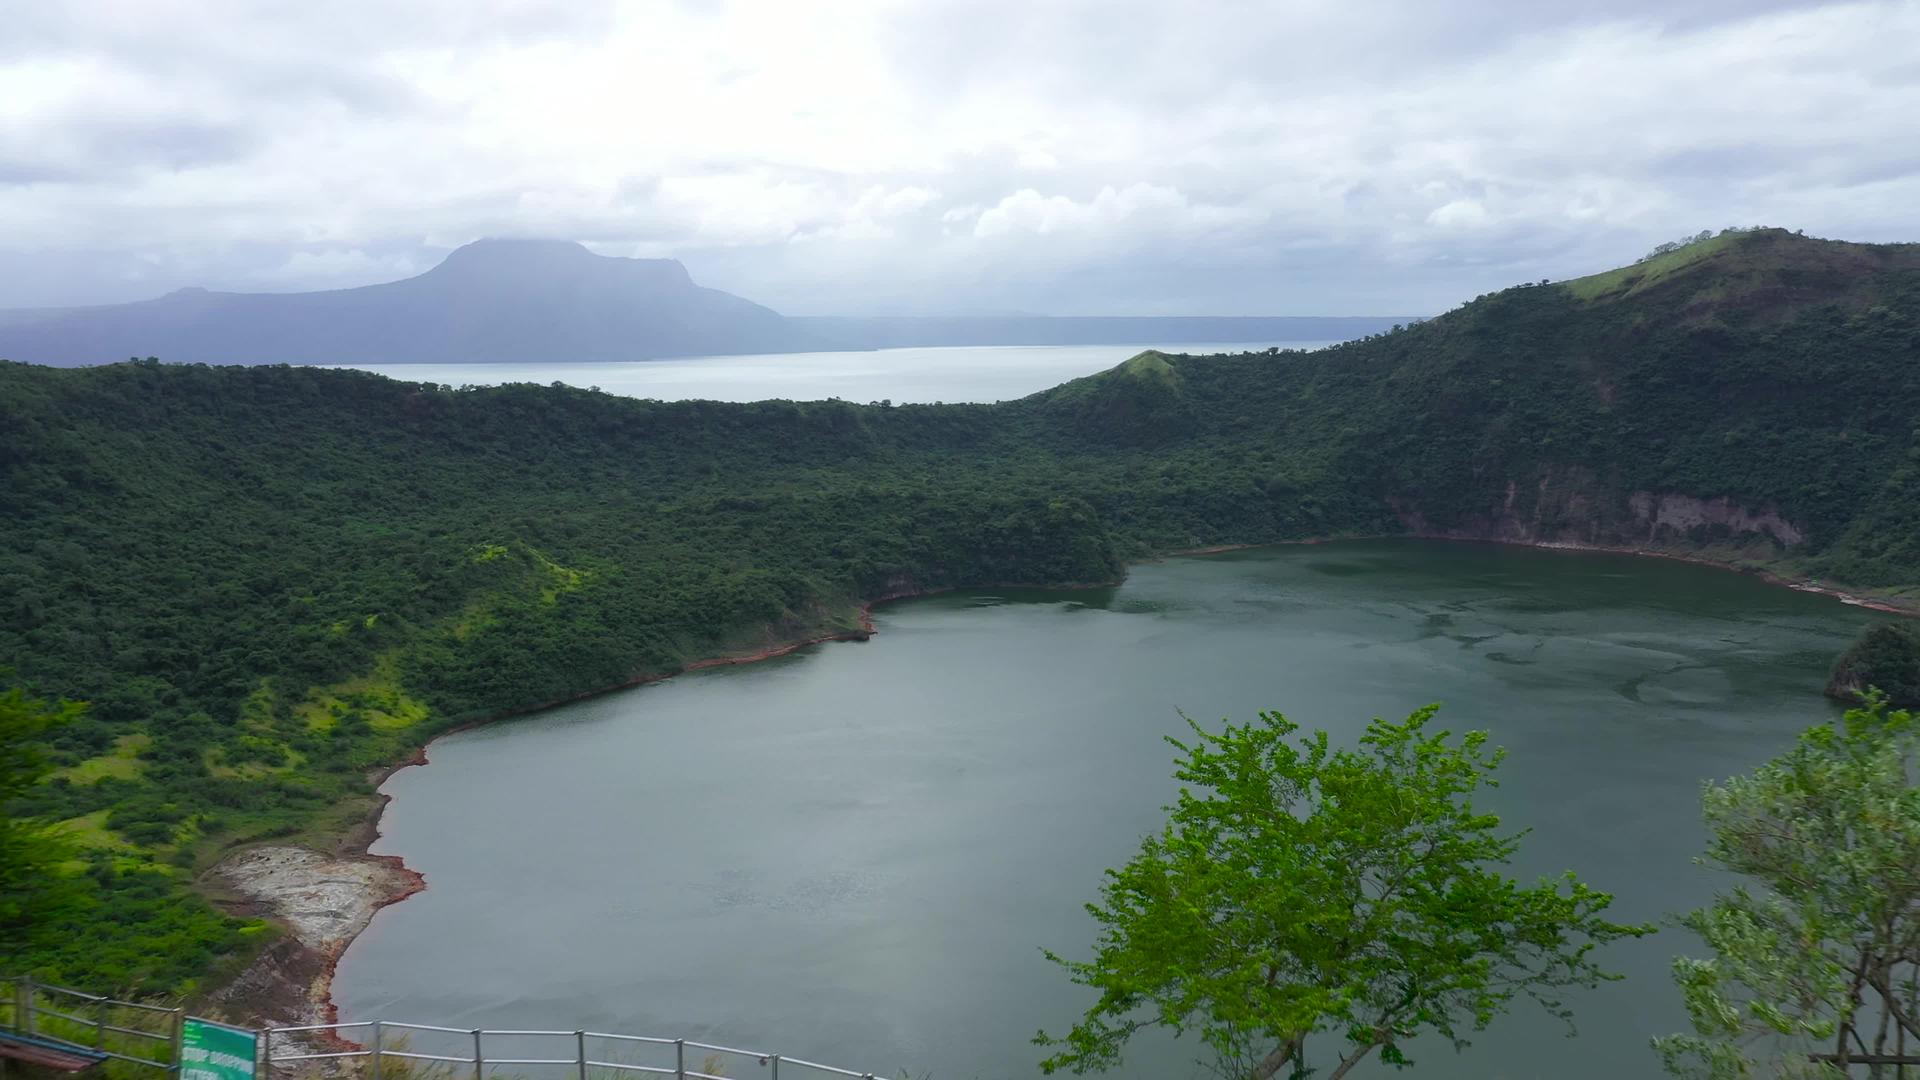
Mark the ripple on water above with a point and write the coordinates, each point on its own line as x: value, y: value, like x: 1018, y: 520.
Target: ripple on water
x: 816, y: 894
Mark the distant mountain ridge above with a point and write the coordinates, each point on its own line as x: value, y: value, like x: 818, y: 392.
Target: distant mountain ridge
x: 490, y: 301
x: 532, y: 301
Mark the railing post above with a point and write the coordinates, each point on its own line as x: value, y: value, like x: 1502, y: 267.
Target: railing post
x: 679, y: 1059
x: 479, y: 1060
x: 25, y: 990
x: 266, y: 1053
x: 775, y: 1062
x: 176, y: 1034
x: 376, y: 1050
x: 100, y: 1023
x: 580, y: 1052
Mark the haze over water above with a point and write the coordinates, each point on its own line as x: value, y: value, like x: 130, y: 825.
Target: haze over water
x: 964, y: 373
x: 854, y: 854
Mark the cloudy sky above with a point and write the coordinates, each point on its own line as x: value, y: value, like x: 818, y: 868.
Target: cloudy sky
x: 862, y: 156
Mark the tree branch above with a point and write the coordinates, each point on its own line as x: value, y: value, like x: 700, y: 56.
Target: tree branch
x: 1353, y: 1059
x: 1893, y: 1005
x: 1271, y: 1063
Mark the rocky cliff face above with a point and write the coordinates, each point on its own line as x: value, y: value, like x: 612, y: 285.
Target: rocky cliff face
x: 1684, y: 517
x: 1574, y: 508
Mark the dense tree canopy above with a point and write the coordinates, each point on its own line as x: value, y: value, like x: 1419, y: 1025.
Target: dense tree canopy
x: 35, y: 892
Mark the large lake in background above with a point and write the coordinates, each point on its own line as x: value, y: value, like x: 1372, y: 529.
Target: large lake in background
x: 854, y: 854
x: 956, y: 374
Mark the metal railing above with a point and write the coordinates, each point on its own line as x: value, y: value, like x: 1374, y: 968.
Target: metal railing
x: 88, y: 1021
x: 110, y: 1027
x: 585, y: 1052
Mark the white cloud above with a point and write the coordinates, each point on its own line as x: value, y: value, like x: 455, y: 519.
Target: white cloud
x: 1459, y: 214
x: 880, y: 202
x: 1038, y: 160
x: 1147, y: 208
x: 1042, y: 154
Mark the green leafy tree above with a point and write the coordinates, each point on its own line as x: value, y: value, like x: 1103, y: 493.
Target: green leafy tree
x: 1814, y: 966
x: 33, y: 887
x: 1299, y: 889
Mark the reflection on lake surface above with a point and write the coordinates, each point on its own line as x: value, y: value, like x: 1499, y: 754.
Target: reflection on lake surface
x: 854, y: 854
x: 956, y: 374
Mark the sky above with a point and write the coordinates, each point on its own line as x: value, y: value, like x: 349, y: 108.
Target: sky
x: 1284, y: 157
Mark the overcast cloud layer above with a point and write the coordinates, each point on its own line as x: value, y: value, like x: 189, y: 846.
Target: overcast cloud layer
x: 1110, y: 157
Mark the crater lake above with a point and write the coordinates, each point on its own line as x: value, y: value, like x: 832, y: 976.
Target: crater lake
x: 855, y: 853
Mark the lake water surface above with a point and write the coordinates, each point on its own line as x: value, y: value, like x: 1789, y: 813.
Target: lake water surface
x: 854, y: 854
x: 956, y: 374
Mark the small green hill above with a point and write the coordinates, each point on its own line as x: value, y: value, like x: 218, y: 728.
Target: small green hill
x: 1885, y: 657
x: 1136, y: 403
x: 1151, y: 365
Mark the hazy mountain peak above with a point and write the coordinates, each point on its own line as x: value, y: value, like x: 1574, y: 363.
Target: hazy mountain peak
x: 508, y: 259
x: 495, y: 250
x: 492, y: 300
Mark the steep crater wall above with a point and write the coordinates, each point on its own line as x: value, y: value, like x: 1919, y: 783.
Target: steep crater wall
x: 1573, y: 508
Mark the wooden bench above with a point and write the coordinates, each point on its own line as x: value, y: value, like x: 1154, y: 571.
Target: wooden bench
x: 48, y: 1054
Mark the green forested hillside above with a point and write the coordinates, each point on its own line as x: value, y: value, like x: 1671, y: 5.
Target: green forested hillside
x: 268, y: 582
x: 1885, y: 657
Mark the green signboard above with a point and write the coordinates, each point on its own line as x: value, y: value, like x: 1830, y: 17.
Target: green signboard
x: 210, y: 1051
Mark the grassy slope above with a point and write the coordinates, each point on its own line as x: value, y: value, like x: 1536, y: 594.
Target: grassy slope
x: 272, y: 581
x: 1648, y: 273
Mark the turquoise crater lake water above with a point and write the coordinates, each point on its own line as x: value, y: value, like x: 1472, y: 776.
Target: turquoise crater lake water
x: 855, y: 853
